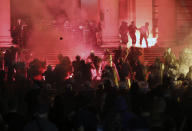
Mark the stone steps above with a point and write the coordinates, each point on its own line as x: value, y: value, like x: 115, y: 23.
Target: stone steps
x: 51, y: 57
x: 150, y: 54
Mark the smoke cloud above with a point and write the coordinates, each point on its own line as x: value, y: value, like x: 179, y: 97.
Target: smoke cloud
x: 47, y: 18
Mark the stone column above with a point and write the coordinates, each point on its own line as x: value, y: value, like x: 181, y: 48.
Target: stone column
x: 110, y: 23
x: 91, y: 8
x: 144, y: 13
x: 5, y: 20
x: 131, y: 11
x: 166, y: 22
x: 123, y: 10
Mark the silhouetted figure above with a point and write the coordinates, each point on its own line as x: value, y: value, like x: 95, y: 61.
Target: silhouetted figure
x: 16, y: 32
x: 95, y: 60
x: 36, y: 69
x: 118, y: 54
x: 123, y: 30
x: 63, y: 69
x: 49, y: 74
x: 144, y: 33
x: 99, y: 33
x: 133, y: 56
x: 85, y: 69
x: 2, y: 76
x: 10, y: 56
x: 169, y: 58
x: 76, y: 67
x: 132, y: 31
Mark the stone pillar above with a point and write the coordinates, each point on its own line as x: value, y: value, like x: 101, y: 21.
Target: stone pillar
x: 110, y: 23
x: 91, y: 8
x: 144, y: 13
x: 5, y: 20
x: 166, y: 22
x: 131, y: 11
x: 123, y: 10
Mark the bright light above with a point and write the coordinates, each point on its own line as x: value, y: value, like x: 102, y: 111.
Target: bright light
x: 80, y: 27
x: 151, y: 41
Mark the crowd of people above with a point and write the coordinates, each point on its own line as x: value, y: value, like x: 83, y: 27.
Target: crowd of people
x: 113, y: 93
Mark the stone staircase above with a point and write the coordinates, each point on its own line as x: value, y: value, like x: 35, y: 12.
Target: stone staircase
x: 183, y: 19
x: 51, y: 56
x: 150, y: 54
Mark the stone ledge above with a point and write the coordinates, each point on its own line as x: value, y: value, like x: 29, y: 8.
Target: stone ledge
x: 6, y: 44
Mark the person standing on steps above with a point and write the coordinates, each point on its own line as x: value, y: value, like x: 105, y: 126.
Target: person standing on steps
x: 144, y: 33
x: 132, y: 31
x: 123, y: 30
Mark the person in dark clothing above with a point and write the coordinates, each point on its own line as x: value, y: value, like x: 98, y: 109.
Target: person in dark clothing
x: 2, y: 76
x: 132, y: 31
x: 133, y: 56
x: 124, y: 71
x: 76, y: 67
x: 10, y: 56
x: 144, y: 33
x: 118, y: 54
x: 16, y: 32
x: 49, y: 74
x: 85, y: 71
x: 139, y: 70
x: 123, y: 30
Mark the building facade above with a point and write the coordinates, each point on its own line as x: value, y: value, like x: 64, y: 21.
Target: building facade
x: 170, y: 20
